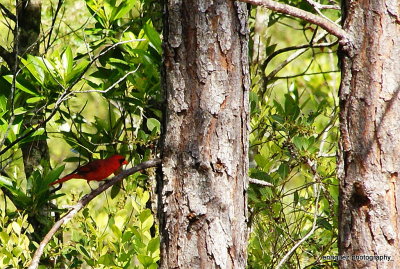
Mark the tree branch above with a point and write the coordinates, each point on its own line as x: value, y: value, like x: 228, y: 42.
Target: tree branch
x: 8, y: 13
x: 260, y: 182
x: 329, y: 26
x: 83, y: 202
x: 305, y: 46
x: 7, y: 56
x: 317, y: 5
x: 53, y: 21
x: 290, y: 58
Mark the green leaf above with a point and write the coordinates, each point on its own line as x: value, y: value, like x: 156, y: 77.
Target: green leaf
x: 278, y: 108
x: 83, y: 251
x: 261, y: 160
x: 33, y: 100
x: 36, y: 136
x: 18, y: 197
x: 9, y: 78
x: 291, y: 107
x: 323, y: 223
x: 107, y: 260
x: 53, y: 175
x: 122, y: 9
x: 16, y: 227
x: 33, y: 68
x: 67, y: 61
x: 300, y: 142
x: 115, y: 189
x: 76, y: 71
x: 154, y: 245
x: 117, y: 232
x: 145, y: 260
x: 5, y: 181
x: 3, y: 103
x: 295, y: 198
x: 278, y: 118
x: 40, y: 68
x: 152, y: 124
x: 145, y: 197
x: 261, y: 175
x: 283, y: 170
x: 146, y: 219
x: 153, y: 36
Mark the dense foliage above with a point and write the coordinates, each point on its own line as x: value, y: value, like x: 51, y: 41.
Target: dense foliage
x: 93, y: 90
x: 97, y: 90
x: 294, y: 131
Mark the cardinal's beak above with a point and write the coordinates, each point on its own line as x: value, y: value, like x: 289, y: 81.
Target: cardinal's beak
x: 125, y: 162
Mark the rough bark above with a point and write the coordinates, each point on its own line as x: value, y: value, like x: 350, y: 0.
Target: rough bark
x: 202, y: 192
x: 369, y: 161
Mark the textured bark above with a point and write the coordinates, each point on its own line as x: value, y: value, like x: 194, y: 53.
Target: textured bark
x: 202, y: 193
x: 369, y: 162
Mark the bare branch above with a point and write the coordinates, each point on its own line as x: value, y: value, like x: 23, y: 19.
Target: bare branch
x: 7, y: 56
x: 83, y: 202
x: 260, y: 182
x: 317, y: 5
x: 291, y: 57
x: 305, y: 46
x: 8, y: 13
x: 112, y: 86
x: 59, y: 4
x: 329, y: 26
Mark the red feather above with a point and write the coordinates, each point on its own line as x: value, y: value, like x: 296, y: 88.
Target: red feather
x: 96, y: 170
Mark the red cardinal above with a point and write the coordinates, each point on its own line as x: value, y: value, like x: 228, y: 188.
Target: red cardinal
x: 96, y: 170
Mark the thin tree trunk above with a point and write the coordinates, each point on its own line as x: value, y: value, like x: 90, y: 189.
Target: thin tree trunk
x: 369, y: 162
x: 202, y: 192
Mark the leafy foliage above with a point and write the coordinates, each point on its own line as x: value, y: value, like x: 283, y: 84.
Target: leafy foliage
x: 292, y: 146
x: 99, y: 95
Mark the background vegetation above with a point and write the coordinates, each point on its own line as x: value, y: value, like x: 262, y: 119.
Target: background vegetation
x: 96, y: 83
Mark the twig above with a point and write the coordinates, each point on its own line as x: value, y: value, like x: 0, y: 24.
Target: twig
x: 53, y: 21
x: 306, y: 74
x: 292, y: 57
x: 83, y: 202
x: 329, y: 26
x: 314, y: 226
x: 112, y: 86
x: 260, y: 182
x: 317, y: 5
x: 304, y: 46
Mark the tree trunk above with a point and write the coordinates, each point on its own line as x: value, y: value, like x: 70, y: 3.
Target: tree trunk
x: 369, y: 161
x: 202, y: 192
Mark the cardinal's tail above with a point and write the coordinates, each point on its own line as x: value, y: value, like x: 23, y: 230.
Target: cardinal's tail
x: 66, y: 178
